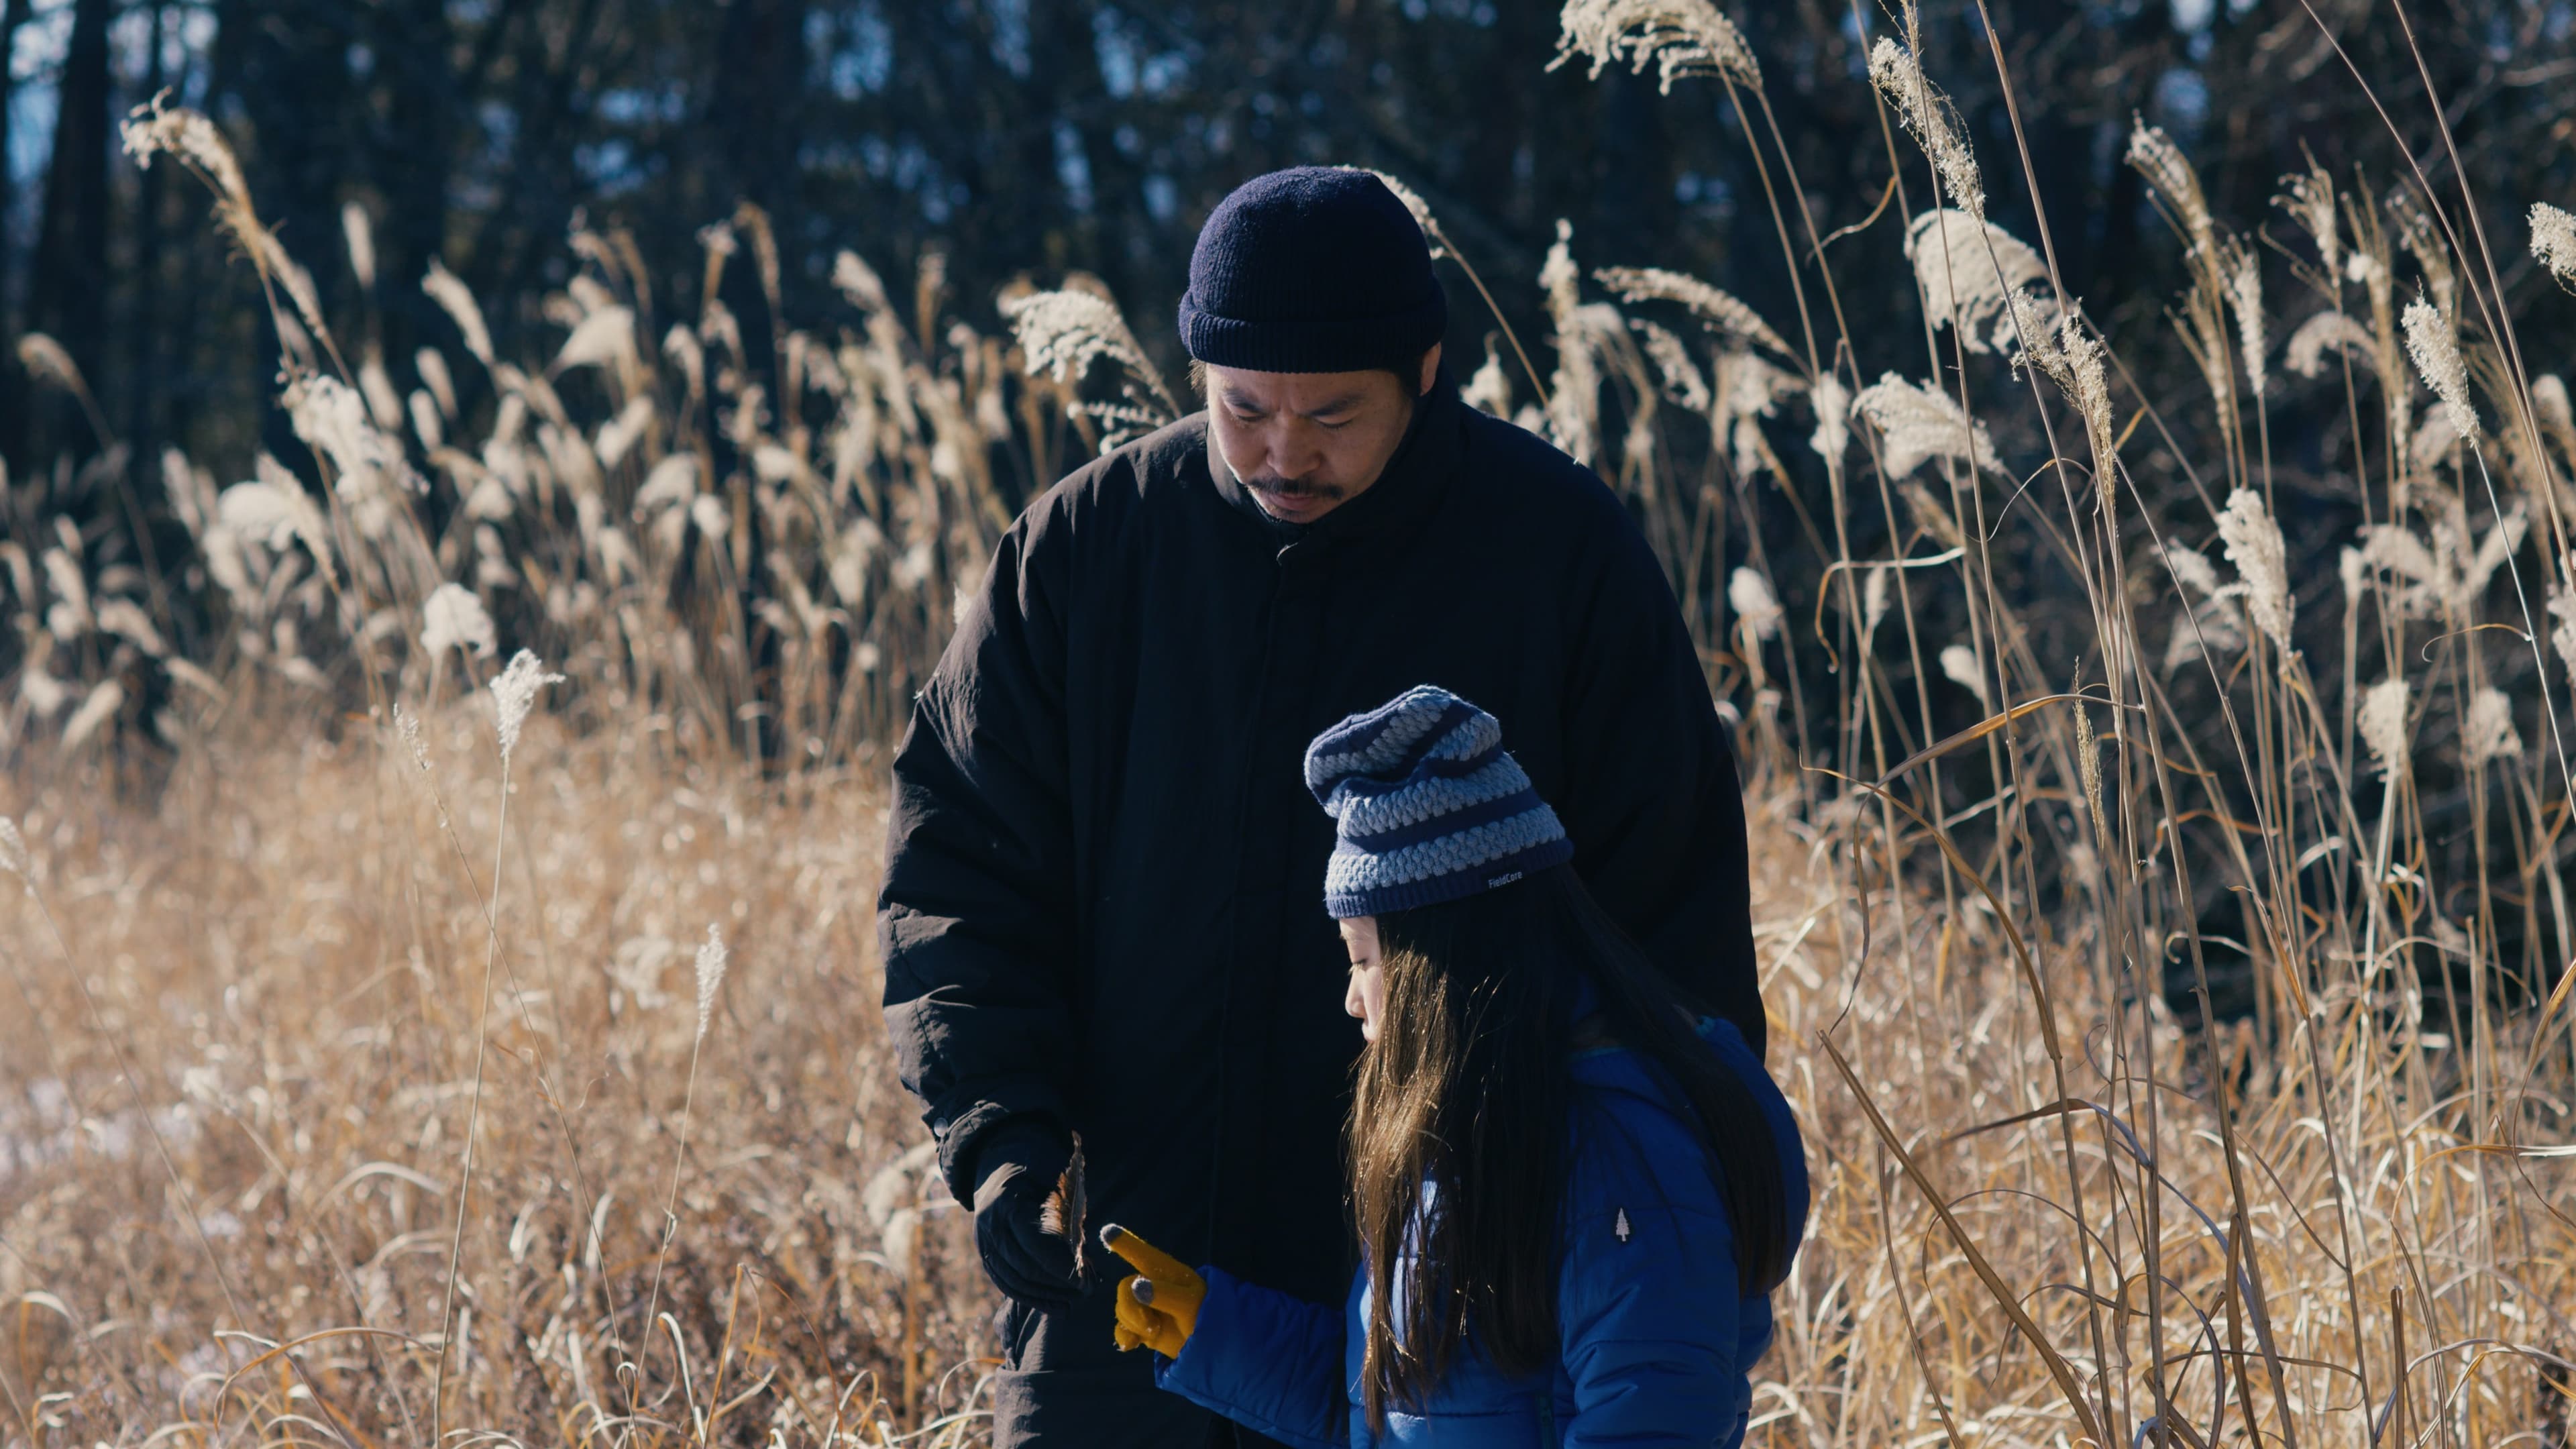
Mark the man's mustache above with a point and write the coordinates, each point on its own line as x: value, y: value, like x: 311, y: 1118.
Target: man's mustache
x: 1278, y: 487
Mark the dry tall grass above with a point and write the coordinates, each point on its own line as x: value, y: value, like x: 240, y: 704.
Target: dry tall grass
x: 320, y: 1046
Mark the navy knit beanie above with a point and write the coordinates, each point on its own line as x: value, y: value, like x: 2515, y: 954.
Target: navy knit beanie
x: 1312, y: 269
x: 1430, y: 806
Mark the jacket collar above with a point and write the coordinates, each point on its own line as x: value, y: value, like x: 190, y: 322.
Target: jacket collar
x: 1413, y: 483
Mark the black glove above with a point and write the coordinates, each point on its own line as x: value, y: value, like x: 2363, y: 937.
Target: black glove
x: 1021, y: 1162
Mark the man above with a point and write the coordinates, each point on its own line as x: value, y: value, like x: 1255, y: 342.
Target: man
x: 1099, y: 910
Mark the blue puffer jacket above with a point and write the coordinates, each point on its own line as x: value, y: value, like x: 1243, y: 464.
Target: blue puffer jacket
x: 1657, y: 1336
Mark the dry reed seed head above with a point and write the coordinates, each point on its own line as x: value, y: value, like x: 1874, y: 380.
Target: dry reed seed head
x: 431, y: 364
x: 1968, y: 270
x: 155, y: 128
x: 2383, y: 724
x: 2193, y: 570
x: 46, y: 361
x: 711, y: 969
x: 275, y: 509
x: 1749, y: 594
x: 407, y: 725
x: 2309, y: 198
x: 1873, y: 598
x: 2354, y: 572
x: 1061, y: 333
x: 2489, y: 733
x: 2562, y: 607
x: 453, y: 618
x: 2553, y: 242
x: 1681, y: 379
x: 2436, y: 352
x: 1917, y: 423
x: 1832, y: 402
x: 361, y: 239
x: 69, y: 617
x: 1927, y: 115
x: 2088, y: 770
x: 514, y: 692
x: 1490, y: 389
x: 605, y: 338
x: 2244, y: 276
x: 125, y: 618
x: 2161, y: 162
x: 96, y: 710
x: 1679, y: 37
x: 1959, y: 663
x: 2329, y: 332
x: 13, y: 849
x: 1719, y: 311
x: 457, y: 300
x: 2255, y: 546
x: 1558, y: 278
x: 2549, y: 404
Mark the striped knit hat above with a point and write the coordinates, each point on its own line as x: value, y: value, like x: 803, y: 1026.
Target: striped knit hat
x: 1430, y: 805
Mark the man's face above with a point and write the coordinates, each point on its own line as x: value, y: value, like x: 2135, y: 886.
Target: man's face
x: 1305, y: 443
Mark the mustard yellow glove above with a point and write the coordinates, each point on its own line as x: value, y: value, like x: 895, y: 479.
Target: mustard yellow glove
x: 1158, y: 1308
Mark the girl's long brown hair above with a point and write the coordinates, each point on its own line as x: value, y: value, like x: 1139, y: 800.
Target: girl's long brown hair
x: 1469, y: 1085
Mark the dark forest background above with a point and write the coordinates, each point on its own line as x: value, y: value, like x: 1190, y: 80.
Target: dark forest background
x: 998, y: 138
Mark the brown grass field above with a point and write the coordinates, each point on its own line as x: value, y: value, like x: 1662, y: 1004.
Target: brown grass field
x: 368, y: 1081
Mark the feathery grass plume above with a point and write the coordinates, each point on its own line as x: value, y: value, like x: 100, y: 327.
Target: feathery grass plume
x: 453, y: 618
x: 451, y: 294
x: 2327, y: 332
x: 2383, y: 723
x: 2069, y: 357
x: 68, y: 617
x: 2562, y: 607
x: 156, y: 128
x: 1873, y: 600
x: 711, y: 969
x: 1680, y: 37
x: 2422, y: 238
x: 2255, y: 546
x: 514, y: 691
x: 1832, y: 402
x: 125, y: 618
x: 604, y: 338
x: 2309, y: 198
x: 370, y: 468
x: 1680, y: 376
x: 1919, y: 423
x: 47, y: 361
x: 1968, y: 269
x: 1959, y: 663
x: 2488, y: 733
x: 98, y: 709
x: 2161, y: 162
x: 1063, y: 332
x: 2193, y: 569
x: 407, y: 725
x: 2549, y: 401
x: 13, y: 849
x: 1720, y: 312
x: 2436, y: 351
x: 1933, y: 122
x: 361, y: 238
x: 2088, y: 770
x: 1490, y: 389
x: 1574, y: 388
x: 275, y: 508
x: 431, y: 364
x: 1749, y: 594
x: 2553, y: 242
x: 2244, y: 277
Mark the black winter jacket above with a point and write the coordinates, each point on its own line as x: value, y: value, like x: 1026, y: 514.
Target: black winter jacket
x: 1103, y: 897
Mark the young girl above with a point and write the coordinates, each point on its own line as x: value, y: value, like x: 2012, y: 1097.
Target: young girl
x: 1572, y: 1191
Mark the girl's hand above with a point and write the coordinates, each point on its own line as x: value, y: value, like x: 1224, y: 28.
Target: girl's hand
x: 1158, y: 1308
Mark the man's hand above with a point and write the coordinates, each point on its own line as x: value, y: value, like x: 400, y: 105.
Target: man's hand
x: 1021, y: 1165
x: 1159, y: 1307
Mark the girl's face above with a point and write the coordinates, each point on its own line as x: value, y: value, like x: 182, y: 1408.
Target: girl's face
x: 1367, y: 996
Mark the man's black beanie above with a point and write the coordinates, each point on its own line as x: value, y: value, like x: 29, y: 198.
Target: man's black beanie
x: 1312, y: 269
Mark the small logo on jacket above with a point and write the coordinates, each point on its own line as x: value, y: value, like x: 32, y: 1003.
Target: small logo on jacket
x: 1619, y: 1229
x: 1502, y: 880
